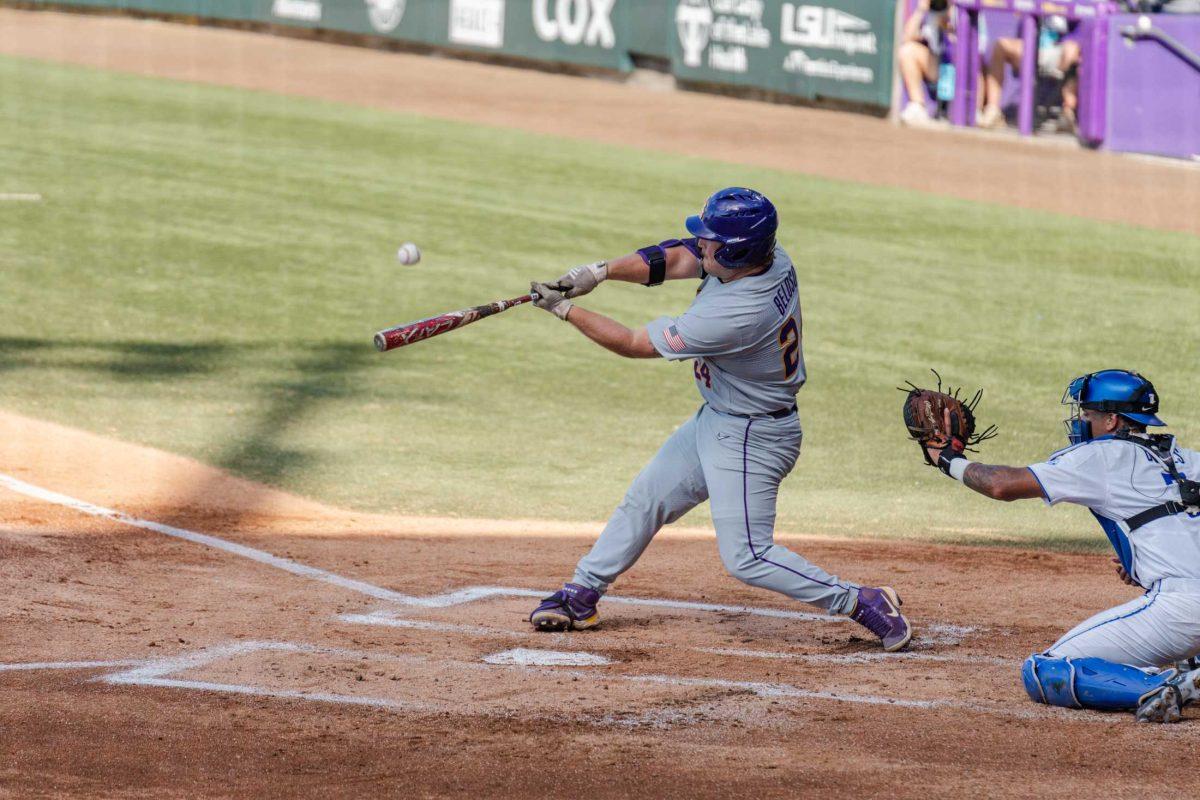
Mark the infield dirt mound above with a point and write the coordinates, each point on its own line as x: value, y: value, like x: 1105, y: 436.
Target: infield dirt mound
x: 208, y: 673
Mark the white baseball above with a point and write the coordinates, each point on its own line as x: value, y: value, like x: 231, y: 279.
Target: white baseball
x: 408, y: 253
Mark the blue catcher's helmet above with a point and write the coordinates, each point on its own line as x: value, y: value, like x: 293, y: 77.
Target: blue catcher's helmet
x: 1117, y: 391
x: 743, y: 221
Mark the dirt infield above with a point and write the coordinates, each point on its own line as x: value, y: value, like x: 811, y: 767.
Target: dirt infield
x: 838, y: 145
x: 310, y: 650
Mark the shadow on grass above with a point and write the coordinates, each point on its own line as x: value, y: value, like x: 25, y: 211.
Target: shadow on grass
x: 324, y: 374
x: 317, y: 375
x: 125, y: 360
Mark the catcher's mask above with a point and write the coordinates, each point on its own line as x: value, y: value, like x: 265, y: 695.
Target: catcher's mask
x: 743, y: 221
x: 1113, y: 391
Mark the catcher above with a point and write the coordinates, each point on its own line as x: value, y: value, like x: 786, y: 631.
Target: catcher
x: 1138, y: 656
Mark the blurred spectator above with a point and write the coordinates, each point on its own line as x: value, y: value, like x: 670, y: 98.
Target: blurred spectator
x: 926, y: 36
x: 1058, y: 58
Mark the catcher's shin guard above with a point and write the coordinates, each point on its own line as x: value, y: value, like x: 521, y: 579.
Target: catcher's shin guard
x: 572, y: 607
x: 1100, y: 685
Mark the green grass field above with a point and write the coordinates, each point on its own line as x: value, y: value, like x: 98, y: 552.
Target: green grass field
x: 208, y: 266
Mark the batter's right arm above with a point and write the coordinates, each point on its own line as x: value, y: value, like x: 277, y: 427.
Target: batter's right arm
x: 650, y: 266
x: 633, y: 268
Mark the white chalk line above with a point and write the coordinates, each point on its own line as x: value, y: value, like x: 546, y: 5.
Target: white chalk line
x: 458, y: 597
x: 392, y: 619
x: 152, y: 673
x: 858, y: 658
x: 155, y: 672
x: 41, y: 665
x: 20, y: 197
x: 262, y: 557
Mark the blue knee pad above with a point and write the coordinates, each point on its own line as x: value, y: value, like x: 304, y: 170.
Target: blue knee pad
x: 1088, y: 682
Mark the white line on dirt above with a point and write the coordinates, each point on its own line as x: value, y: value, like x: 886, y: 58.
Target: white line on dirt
x: 948, y: 633
x: 471, y: 593
x: 20, y: 197
x: 786, y: 690
x: 857, y: 658
x: 40, y: 665
x: 154, y: 673
x: 262, y: 557
x: 927, y: 634
x: 392, y: 619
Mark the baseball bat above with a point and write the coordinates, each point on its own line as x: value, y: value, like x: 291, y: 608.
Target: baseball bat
x: 410, y: 332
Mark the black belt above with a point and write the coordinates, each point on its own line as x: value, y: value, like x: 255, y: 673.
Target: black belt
x: 778, y: 414
x: 1158, y: 512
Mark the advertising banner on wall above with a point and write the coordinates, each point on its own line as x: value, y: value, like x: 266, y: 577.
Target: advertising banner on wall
x: 839, y: 49
x: 477, y: 22
x: 590, y: 32
x: 409, y: 20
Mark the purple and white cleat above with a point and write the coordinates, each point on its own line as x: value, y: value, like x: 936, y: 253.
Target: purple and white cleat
x: 571, y: 608
x: 878, y: 610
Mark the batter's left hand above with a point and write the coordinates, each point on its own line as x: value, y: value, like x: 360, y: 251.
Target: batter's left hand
x: 583, y: 279
x: 551, y: 299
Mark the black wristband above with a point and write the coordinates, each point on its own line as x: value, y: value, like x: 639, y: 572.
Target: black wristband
x: 655, y: 258
x: 947, y: 456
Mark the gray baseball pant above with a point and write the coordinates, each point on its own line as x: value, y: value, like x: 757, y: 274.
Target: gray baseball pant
x: 735, y: 463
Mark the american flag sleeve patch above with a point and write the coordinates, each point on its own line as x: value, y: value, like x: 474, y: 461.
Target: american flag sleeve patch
x: 674, y: 340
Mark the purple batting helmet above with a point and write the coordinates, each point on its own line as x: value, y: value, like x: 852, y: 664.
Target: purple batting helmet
x: 743, y: 221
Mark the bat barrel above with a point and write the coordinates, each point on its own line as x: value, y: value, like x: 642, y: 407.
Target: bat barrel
x: 391, y: 338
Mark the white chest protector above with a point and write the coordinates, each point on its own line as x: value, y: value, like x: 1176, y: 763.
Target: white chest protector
x: 1118, y: 480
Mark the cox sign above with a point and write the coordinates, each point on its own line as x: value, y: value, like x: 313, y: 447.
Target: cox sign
x: 587, y: 22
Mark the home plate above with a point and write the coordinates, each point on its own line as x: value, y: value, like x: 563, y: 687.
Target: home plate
x: 546, y: 658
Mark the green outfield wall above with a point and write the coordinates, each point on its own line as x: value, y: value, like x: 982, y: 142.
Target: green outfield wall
x: 832, y: 49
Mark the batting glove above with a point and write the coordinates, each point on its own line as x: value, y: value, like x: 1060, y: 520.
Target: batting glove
x: 551, y: 299
x: 583, y: 279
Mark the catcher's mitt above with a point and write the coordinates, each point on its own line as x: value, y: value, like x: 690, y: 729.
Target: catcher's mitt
x: 925, y: 417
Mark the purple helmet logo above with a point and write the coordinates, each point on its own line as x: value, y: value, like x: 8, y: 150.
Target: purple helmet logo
x: 743, y: 221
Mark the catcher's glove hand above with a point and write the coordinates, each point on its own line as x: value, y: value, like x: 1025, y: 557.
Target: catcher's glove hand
x: 943, y: 422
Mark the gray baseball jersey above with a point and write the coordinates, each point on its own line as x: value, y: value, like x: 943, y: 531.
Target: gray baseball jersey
x: 745, y: 337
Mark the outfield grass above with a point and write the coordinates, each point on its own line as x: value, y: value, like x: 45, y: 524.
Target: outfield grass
x: 209, y: 265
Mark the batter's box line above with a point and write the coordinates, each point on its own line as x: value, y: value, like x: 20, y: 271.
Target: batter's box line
x: 155, y: 673
x: 458, y: 597
x: 394, y: 619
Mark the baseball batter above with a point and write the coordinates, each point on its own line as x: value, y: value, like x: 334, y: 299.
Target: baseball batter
x: 1134, y: 657
x: 743, y: 335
